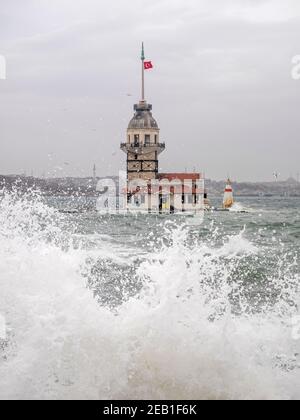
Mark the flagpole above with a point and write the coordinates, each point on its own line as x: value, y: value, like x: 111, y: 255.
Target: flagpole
x: 143, y: 73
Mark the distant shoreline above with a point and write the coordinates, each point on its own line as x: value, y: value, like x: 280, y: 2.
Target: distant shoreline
x: 70, y: 186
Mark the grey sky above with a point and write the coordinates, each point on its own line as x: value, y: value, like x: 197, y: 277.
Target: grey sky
x: 221, y: 89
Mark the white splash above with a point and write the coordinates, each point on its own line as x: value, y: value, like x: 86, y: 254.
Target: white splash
x: 178, y: 339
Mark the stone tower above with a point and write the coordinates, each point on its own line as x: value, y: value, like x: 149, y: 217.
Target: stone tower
x: 143, y: 144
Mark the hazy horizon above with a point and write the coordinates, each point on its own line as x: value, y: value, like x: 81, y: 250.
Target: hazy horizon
x: 291, y: 180
x: 221, y: 86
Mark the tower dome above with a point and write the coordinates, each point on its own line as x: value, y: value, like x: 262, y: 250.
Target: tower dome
x: 143, y: 118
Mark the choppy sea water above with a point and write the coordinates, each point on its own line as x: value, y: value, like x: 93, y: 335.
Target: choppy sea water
x: 144, y: 307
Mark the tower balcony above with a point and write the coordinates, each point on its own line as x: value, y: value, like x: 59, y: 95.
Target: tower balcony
x: 143, y: 148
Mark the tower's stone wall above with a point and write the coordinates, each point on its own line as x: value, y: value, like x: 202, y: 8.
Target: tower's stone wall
x: 142, y: 144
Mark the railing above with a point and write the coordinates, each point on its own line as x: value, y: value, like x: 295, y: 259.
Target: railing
x: 137, y: 145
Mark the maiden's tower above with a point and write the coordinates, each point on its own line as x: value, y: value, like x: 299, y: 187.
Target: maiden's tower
x: 147, y: 189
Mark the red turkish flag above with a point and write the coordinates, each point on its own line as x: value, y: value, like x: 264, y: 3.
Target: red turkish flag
x: 148, y: 65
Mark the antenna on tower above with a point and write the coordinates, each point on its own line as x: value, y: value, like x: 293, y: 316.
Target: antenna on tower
x: 143, y: 72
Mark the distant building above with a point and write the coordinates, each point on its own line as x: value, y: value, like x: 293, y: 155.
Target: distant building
x: 147, y: 189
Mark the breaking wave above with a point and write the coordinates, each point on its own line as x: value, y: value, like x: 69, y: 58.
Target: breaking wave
x: 187, y: 319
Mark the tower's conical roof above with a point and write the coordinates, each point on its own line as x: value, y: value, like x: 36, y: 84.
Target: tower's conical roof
x: 143, y: 118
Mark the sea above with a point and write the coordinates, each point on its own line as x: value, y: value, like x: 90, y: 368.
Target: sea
x: 97, y: 306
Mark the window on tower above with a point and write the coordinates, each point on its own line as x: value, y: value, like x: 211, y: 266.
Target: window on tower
x: 136, y: 140
x: 190, y: 199
x: 147, y: 140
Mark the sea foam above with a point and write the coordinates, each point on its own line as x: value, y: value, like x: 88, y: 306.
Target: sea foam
x: 188, y: 332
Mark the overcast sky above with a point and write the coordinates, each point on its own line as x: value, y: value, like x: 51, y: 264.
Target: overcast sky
x: 221, y: 89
